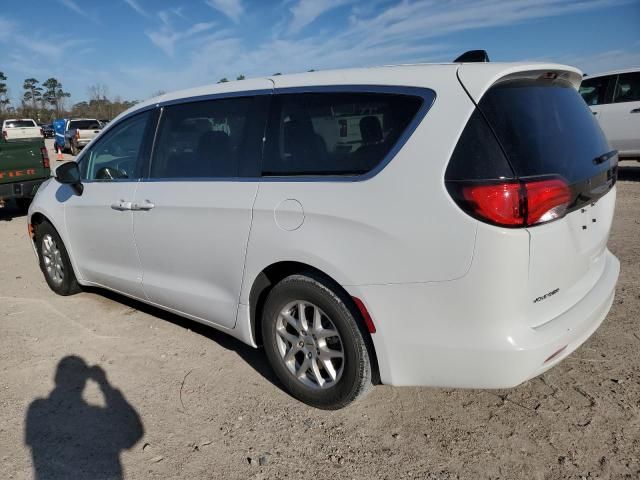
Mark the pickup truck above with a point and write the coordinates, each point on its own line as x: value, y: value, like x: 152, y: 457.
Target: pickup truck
x: 19, y: 128
x: 24, y: 165
x: 73, y: 134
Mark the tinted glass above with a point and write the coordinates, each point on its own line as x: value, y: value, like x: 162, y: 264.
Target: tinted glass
x: 84, y: 125
x: 477, y: 155
x: 20, y: 123
x: 117, y: 155
x: 210, y: 139
x: 545, y: 128
x: 334, y: 133
x: 627, y: 88
x: 594, y: 90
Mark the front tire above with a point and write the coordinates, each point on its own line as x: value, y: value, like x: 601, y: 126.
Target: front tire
x: 54, y: 261
x: 314, y: 343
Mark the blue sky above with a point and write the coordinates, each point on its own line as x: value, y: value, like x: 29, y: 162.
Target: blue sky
x: 137, y: 47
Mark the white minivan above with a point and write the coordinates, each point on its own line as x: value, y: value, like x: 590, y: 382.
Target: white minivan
x: 441, y: 225
x: 614, y: 98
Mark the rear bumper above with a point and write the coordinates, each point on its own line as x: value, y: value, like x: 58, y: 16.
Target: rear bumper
x: 20, y: 189
x: 430, y: 334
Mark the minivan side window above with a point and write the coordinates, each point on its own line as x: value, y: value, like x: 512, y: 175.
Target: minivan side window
x: 627, y: 88
x: 595, y: 90
x: 346, y: 133
x: 117, y: 154
x: 219, y: 138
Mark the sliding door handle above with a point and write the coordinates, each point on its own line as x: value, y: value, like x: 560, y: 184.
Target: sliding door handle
x: 146, y: 205
x: 121, y: 205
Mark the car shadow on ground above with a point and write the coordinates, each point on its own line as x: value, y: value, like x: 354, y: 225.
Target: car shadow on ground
x: 70, y: 438
x: 629, y: 173
x: 256, y: 358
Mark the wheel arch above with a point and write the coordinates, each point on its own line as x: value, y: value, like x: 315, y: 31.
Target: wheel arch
x: 274, y: 273
x: 38, y: 218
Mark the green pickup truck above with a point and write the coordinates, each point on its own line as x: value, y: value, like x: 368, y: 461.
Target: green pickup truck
x: 24, y: 165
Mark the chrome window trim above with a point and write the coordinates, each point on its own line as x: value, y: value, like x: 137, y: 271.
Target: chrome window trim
x: 428, y: 99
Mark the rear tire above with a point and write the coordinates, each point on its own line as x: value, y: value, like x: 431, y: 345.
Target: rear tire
x: 54, y: 261
x: 320, y: 357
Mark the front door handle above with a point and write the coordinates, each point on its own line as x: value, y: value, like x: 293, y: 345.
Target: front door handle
x: 121, y: 206
x: 635, y: 110
x: 146, y: 205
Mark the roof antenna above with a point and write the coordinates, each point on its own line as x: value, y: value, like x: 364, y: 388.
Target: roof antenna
x: 473, y: 56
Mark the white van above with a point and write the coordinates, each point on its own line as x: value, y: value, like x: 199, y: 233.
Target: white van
x: 440, y: 225
x: 614, y: 98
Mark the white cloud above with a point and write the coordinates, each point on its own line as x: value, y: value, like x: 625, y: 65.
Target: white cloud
x: 231, y: 8
x: 137, y: 7
x: 73, y: 6
x: 306, y: 11
x: 403, y: 32
x: 166, y: 37
x: 393, y: 32
x: 600, y: 62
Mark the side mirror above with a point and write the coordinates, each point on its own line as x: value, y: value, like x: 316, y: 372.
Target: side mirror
x: 69, y: 174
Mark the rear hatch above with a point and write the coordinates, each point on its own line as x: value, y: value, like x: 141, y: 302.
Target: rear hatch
x: 547, y: 148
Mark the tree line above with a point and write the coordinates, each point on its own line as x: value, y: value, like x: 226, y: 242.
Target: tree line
x: 46, y: 101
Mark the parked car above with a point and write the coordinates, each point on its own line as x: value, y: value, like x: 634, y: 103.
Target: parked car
x: 19, y: 129
x: 48, y: 131
x: 614, y: 98
x: 74, y: 134
x: 24, y: 165
x: 367, y: 225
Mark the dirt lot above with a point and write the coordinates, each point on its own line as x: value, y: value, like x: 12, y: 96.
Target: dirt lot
x: 198, y: 404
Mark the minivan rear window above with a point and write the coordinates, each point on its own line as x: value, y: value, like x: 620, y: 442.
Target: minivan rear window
x: 334, y: 133
x: 546, y: 128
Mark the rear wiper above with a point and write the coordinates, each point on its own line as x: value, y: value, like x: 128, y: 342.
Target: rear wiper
x: 604, y: 157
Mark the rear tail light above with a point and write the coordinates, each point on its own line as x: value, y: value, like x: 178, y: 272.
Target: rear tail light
x: 42, y: 132
x: 45, y: 157
x: 513, y: 203
x: 4, y: 134
x: 77, y: 134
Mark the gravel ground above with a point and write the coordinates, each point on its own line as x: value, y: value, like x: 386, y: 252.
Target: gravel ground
x: 188, y: 402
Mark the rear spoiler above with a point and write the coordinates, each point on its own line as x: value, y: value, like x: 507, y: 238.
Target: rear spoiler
x: 477, y: 78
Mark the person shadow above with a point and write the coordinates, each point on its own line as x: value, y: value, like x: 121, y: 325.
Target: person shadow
x: 71, y: 439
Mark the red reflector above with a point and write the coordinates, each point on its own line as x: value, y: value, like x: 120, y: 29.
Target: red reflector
x: 45, y: 157
x: 368, y: 321
x: 555, y: 354
x: 515, y: 204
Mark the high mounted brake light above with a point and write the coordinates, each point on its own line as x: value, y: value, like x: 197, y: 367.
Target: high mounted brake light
x: 513, y: 203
